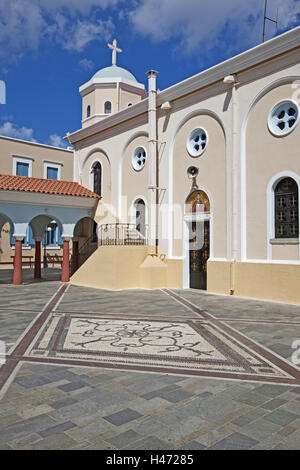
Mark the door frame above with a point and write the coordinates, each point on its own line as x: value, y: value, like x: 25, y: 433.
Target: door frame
x: 188, y: 218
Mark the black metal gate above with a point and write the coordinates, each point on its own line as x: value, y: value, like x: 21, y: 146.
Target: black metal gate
x: 199, y: 257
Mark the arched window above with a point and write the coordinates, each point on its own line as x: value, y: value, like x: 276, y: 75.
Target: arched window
x: 97, y: 177
x: 140, y: 216
x: 88, y: 111
x: 286, y: 209
x: 107, y: 107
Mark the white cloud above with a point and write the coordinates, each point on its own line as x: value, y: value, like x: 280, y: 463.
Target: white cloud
x: 205, y: 23
x: 12, y: 130
x: 24, y: 24
x: 86, y: 64
x: 195, y: 25
x: 76, y: 36
x: 57, y: 141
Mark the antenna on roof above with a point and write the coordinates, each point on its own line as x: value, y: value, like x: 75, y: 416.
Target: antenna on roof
x: 266, y: 18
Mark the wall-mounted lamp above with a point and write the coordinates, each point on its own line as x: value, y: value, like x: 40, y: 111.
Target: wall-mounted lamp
x: 230, y: 80
x: 166, y: 105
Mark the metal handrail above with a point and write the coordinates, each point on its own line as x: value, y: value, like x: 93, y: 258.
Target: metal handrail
x: 121, y: 234
x: 86, y: 245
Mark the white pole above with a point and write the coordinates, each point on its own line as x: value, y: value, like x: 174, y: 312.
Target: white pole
x: 235, y: 187
x: 153, y: 167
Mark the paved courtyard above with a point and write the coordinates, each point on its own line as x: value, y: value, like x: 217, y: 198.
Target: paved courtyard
x: 165, y: 369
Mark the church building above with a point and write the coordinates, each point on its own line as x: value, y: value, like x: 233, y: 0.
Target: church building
x: 197, y: 184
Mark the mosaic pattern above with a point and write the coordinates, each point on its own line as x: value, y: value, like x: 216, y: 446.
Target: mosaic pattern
x: 190, y: 345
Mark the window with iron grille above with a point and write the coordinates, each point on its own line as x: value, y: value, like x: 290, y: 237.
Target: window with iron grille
x: 286, y: 209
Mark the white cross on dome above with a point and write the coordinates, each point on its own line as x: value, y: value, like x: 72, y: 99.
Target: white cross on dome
x: 114, y: 49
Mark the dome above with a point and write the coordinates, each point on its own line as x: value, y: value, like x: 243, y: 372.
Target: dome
x: 115, y: 72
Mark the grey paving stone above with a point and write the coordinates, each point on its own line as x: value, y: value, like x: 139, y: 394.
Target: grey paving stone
x: 64, y: 402
x: 84, y: 433
x: 8, y: 420
x: 72, y: 386
x: 32, y: 381
x: 150, y: 395
x: 249, y: 417
x: 281, y: 417
x: 25, y: 441
x: 28, y: 426
x: 273, y: 404
x: 123, y: 416
x: 149, y: 425
x: 271, y: 390
x: 269, y: 443
x: 292, y: 441
x: 205, y: 395
x: 213, y: 409
x: 84, y: 419
x: 151, y: 443
x: 145, y: 406
x: 251, y: 398
x: 53, y: 442
x: 260, y: 429
x: 124, y: 439
x: 106, y: 397
x: 57, y: 429
x: 235, y: 441
x: 193, y: 445
x: 292, y: 407
x: 176, y: 395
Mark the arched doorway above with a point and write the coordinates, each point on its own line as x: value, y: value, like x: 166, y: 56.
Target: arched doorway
x: 198, y: 210
x: 85, y: 241
x: 140, y: 216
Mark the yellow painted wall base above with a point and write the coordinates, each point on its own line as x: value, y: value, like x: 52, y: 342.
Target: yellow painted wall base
x: 153, y: 272
x: 269, y: 281
x: 126, y: 267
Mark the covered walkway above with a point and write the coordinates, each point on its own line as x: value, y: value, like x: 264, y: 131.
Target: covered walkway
x: 37, y: 203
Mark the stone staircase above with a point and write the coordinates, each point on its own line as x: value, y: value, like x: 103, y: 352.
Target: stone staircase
x: 133, y: 237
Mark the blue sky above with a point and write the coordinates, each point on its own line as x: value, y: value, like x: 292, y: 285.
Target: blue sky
x: 48, y: 48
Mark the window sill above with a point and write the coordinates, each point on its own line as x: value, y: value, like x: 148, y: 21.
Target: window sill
x: 285, y: 241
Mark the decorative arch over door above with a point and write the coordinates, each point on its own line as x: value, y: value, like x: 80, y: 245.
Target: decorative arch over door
x: 198, y: 210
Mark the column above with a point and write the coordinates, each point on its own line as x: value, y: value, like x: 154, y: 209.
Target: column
x: 37, y: 259
x: 75, y: 254
x: 65, y: 273
x: 17, y: 277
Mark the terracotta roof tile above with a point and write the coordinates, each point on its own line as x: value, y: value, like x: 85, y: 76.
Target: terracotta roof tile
x: 38, y: 185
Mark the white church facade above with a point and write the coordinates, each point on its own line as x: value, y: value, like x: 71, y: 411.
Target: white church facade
x: 229, y: 136
x: 199, y: 183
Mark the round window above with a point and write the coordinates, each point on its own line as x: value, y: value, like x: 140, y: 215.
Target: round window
x: 139, y: 158
x: 197, y: 142
x: 283, y: 118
